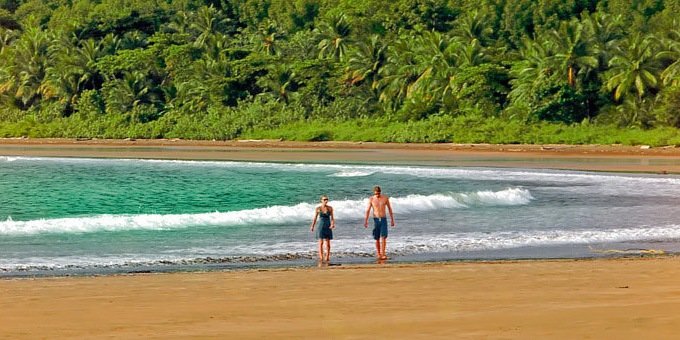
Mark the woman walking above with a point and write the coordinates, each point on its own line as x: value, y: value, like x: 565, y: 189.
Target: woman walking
x: 326, y: 223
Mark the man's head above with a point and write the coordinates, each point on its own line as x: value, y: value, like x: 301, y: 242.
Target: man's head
x: 376, y: 190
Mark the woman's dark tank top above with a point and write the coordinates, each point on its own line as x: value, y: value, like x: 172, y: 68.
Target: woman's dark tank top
x: 324, y: 219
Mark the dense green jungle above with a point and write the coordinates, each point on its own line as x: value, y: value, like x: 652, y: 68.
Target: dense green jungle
x: 432, y: 71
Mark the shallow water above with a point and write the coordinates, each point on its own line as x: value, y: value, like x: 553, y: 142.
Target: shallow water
x: 74, y: 215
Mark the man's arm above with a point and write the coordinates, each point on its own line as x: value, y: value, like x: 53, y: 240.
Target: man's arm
x: 368, y: 211
x: 389, y: 208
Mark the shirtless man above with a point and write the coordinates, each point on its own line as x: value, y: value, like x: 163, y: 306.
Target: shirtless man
x: 378, y: 203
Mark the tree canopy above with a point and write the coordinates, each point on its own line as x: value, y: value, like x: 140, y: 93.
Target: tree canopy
x: 218, y: 69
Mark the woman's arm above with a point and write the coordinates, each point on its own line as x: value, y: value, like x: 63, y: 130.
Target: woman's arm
x: 330, y: 209
x: 316, y: 214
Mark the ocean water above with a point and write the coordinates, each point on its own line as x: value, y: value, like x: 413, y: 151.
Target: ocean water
x: 63, y: 216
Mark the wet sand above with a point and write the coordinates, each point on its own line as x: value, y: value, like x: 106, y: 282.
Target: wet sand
x: 618, y: 298
x: 568, y: 299
x: 573, y: 157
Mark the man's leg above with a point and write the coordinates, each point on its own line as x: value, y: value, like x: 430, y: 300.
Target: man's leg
x: 383, y: 247
x: 383, y: 238
x: 376, y: 237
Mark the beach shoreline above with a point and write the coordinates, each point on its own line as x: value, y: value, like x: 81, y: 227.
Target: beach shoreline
x: 610, y: 158
x: 561, y: 149
x: 626, y: 296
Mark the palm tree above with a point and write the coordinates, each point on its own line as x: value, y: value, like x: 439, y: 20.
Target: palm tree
x: 635, y: 66
x: 420, y: 70
x: 533, y: 69
x: 470, y: 54
x: 87, y: 55
x: 74, y: 69
x: 437, y: 55
x: 603, y: 31
x: 110, y: 44
x: 8, y: 81
x: 193, y: 95
x: 335, y: 38
x: 267, y: 38
x: 401, y: 71
x: 207, y: 22
x: 7, y: 74
x: 7, y: 36
x: 216, y: 46
x: 31, y: 61
x: 671, y: 55
x: 368, y: 63
x: 473, y: 25
x: 280, y: 80
x: 573, y: 50
x: 205, y: 84
x: 127, y: 94
x: 180, y: 23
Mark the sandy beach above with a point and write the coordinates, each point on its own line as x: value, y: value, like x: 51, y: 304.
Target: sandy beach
x: 569, y: 299
x: 624, y: 297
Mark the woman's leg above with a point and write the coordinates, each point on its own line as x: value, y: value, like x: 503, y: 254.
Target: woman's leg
x: 320, y: 249
x: 328, y: 250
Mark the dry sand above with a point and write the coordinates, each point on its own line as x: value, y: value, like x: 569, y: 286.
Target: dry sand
x: 569, y: 299
x: 605, y: 298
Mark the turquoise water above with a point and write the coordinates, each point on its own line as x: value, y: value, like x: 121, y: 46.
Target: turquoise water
x: 69, y: 215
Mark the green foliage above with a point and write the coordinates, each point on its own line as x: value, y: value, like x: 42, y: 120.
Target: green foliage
x: 10, y: 5
x: 635, y: 67
x: 668, y: 109
x: 436, y: 15
x: 510, y: 71
x: 7, y: 20
x: 252, y: 12
x: 294, y: 15
x: 118, y: 17
x: 482, y: 87
x: 33, y: 13
x: 560, y: 104
x: 90, y: 105
x: 335, y: 37
x: 467, y: 129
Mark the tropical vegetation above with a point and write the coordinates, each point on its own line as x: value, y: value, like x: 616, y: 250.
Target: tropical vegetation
x: 497, y: 71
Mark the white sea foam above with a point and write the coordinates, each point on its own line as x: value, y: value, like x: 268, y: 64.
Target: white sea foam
x: 274, y: 215
x: 504, y: 174
x: 475, y: 241
x: 352, y: 173
x: 399, y: 245
x: 441, y: 172
x: 461, y: 242
x: 536, y: 238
